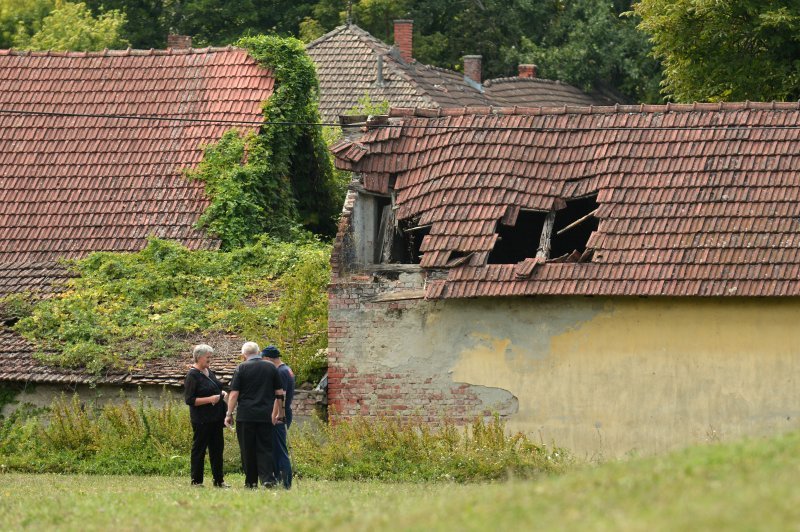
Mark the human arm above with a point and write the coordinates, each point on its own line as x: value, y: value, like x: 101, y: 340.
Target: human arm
x: 190, y: 393
x: 278, y: 408
x: 233, y: 398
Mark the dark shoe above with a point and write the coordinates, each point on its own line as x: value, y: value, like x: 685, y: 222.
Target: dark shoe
x: 221, y: 485
x: 270, y: 484
x: 197, y: 485
x: 251, y: 486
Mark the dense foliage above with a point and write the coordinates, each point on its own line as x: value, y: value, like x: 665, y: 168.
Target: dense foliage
x: 281, y: 177
x: 122, y: 308
x: 137, y: 438
x: 292, y: 144
x: 726, y: 50
x: 582, y: 41
x: 58, y: 25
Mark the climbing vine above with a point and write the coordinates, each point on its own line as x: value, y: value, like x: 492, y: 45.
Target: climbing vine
x: 123, y: 308
x: 267, y: 282
x: 282, y: 177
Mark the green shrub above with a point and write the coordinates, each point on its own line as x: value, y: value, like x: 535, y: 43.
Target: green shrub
x: 122, y: 308
x: 138, y: 438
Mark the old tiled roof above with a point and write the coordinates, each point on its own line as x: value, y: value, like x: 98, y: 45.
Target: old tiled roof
x: 18, y: 364
x: 694, y: 200
x: 73, y: 181
x: 534, y: 92
x: 347, y: 67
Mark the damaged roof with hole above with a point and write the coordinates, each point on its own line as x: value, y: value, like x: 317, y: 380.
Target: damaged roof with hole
x: 692, y: 200
x: 73, y: 181
x: 347, y: 68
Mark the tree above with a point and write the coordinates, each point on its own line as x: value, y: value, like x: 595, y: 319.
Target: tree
x: 21, y: 15
x: 589, y: 44
x: 725, y: 50
x: 71, y: 26
x: 145, y: 20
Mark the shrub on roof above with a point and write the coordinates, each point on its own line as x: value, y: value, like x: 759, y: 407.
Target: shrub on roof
x: 123, y: 308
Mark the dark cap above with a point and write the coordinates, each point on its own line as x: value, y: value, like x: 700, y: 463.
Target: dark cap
x: 270, y: 352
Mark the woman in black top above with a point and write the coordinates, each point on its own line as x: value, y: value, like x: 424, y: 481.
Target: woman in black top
x: 204, y: 395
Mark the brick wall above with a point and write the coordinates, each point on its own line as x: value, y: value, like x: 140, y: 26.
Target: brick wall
x: 309, y: 403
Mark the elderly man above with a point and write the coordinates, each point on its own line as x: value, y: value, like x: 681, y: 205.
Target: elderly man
x: 254, y: 388
x: 280, y: 449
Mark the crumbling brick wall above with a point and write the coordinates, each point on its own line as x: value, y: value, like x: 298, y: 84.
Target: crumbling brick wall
x: 373, y: 368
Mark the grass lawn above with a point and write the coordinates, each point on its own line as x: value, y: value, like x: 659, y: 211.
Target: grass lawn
x: 751, y: 485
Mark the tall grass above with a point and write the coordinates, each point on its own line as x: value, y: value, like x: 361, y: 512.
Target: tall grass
x: 140, y: 438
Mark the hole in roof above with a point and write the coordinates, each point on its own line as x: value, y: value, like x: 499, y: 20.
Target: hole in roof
x: 410, y: 240
x: 520, y: 241
x: 573, y: 227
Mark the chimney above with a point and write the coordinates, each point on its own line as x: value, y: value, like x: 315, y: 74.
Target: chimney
x: 403, y: 30
x: 527, y: 71
x: 179, y: 42
x: 472, y: 67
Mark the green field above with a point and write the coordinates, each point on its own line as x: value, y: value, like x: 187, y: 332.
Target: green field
x: 751, y: 485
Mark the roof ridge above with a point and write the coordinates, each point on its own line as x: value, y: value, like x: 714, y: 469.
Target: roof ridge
x: 325, y: 37
x: 424, y: 112
x: 505, y: 79
x: 121, y: 52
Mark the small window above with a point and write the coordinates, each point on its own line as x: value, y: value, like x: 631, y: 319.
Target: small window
x: 520, y: 241
x: 573, y: 226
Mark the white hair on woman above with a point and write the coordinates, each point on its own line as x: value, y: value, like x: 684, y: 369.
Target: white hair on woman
x: 201, y: 351
x: 250, y: 348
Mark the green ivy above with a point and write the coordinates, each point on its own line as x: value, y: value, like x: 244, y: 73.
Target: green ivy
x: 122, y: 308
x: 282, y: 177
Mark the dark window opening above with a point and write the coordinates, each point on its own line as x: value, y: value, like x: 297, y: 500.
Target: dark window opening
x: 520, y: 241
x: 407, y: 242
x: 573, y: 226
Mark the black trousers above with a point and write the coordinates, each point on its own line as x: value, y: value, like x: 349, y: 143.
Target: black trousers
x: 207, y: 435
x: 255, y: 444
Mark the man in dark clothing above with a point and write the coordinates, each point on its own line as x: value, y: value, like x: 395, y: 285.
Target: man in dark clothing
x: 280, y: 450
x: 254, y: 387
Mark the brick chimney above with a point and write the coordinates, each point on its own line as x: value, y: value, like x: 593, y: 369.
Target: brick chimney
x: 178, y: 42
x: 527, y: 71
x: 472, y: 67
x: 403, y: 30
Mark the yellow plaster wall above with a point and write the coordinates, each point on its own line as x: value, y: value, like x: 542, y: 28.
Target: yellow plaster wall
x: 633, y: 376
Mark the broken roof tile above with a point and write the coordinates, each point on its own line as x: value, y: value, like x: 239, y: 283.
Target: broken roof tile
x: 689, y: 203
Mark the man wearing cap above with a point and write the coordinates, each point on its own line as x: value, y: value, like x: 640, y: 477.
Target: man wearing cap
x: 280, y: 450
x: 254, y: 388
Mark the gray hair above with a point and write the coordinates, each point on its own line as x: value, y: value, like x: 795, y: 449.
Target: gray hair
x: 250, y: 348
x: 201, y: 351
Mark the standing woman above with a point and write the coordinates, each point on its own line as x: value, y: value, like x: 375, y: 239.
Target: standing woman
x: 204, y: 395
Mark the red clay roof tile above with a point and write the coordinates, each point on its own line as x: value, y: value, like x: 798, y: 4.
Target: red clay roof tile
x: 694, y: 199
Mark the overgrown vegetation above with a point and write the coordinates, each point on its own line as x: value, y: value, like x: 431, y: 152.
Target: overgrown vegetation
x: 137, y: 438
x: 398, y: 450
x: 281, y: 177
x: 122, y: 308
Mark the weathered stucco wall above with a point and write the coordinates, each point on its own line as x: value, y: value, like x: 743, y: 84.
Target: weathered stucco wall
x: 603, y: 377
x: 306, y: 403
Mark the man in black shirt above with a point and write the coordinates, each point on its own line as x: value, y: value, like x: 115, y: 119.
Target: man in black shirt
x: 255, y: 387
